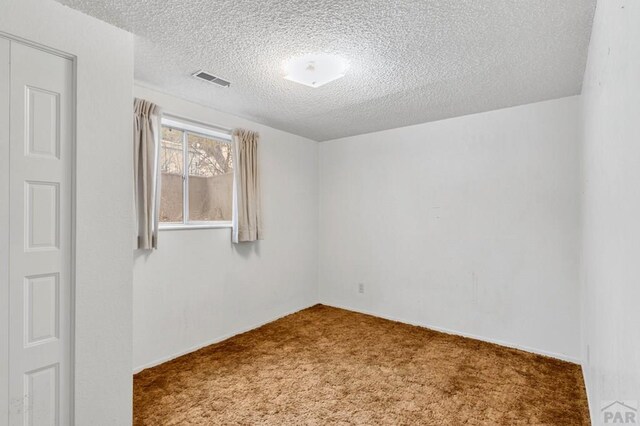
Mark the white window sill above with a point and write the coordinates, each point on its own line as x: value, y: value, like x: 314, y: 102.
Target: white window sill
x: 187, y: 226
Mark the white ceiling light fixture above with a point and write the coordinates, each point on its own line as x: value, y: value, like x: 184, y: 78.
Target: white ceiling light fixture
x: 315, y: 70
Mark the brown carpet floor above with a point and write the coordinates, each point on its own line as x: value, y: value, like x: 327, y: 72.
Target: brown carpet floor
x: 325, y: 365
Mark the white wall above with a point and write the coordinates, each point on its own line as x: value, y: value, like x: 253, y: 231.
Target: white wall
x: 103, y: 216
x: 611, y: 205
x: 197, y: 287
x: 468, y: 224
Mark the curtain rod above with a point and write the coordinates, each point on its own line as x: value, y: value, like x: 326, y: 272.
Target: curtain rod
x: 201, y: 123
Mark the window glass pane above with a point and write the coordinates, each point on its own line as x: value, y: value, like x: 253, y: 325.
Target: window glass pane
x: 171, y: 167
x: 210, y: 178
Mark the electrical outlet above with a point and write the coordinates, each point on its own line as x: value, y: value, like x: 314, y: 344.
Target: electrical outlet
x: 361, y: 288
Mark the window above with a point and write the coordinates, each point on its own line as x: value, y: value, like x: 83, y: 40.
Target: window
x: 197, y: 176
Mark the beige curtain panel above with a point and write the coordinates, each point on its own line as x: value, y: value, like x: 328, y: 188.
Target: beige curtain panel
x: 247, y: 221
x: 146, y: 148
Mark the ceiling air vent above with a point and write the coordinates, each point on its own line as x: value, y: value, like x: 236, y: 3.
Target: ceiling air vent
x: 210, y: 78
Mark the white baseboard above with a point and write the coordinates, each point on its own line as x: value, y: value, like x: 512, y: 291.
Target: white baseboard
x: 585, y: 377
x: 391, y: 318
x: 215, y: 340
x: 561, y: 357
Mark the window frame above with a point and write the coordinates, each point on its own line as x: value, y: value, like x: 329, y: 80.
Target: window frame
x: 187, y: 127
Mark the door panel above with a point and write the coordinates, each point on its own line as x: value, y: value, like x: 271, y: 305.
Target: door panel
x: 40, y: 237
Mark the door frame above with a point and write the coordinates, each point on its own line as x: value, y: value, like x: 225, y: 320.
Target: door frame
x: 4, y: 235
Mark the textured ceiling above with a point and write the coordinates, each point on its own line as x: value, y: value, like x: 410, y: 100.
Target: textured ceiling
x: 410, y: 61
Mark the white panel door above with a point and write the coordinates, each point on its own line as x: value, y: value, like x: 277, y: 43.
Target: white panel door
x: 41, y: 107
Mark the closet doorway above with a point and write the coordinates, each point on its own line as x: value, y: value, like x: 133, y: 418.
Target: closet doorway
x: 37, y: 116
